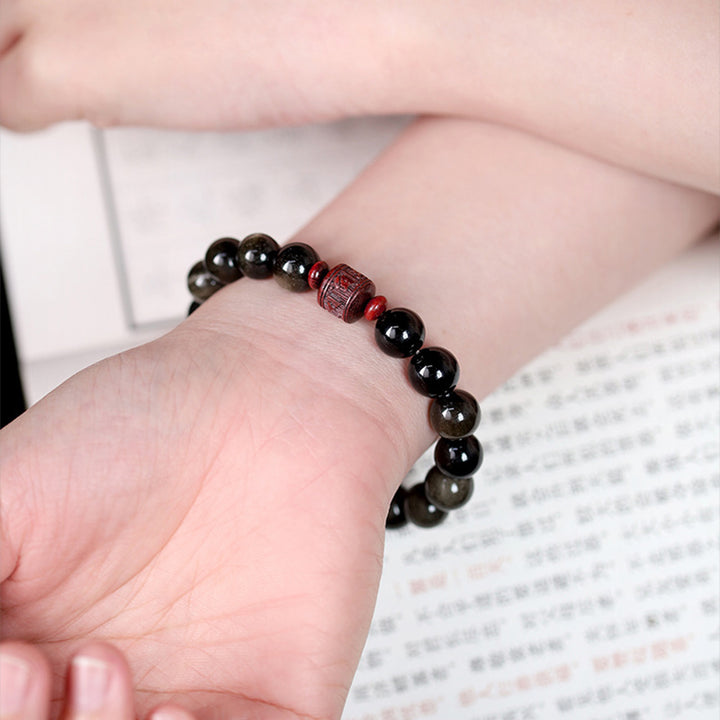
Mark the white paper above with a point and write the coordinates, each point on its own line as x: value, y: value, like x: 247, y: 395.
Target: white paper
x: 177, y: 192
x: 581, y: 581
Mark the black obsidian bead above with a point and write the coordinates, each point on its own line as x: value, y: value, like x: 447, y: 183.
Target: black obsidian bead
x: 458, y: 457
x: 399, y: 332
x: 194, y: 305
x: 419, y: 510
x: 256, y: 256
x: 445, y: 492
x: 433, y: 371
x: 201, y: 283
x: 396, y: 514
x: 221, y: 260
x: 455, y: 414
x: 292, y: 266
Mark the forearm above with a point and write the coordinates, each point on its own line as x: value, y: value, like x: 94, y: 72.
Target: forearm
x: 635, y: 83
x: 501, y: 242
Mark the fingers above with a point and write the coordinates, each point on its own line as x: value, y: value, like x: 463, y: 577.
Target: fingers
x: 12, y: 25
x: 23, y: 104
x: 24, y: 683
x: 28, y: 100
x: 170, y: 712
x: 18, y: 111
x: 9, y: 37
x: 99, y: 685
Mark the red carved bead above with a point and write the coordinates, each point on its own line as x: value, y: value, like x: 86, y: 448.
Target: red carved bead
x: 375, y: 308
x: 345, y: 292
x: 317, y: 272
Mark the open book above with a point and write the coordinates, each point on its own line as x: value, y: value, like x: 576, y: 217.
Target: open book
x: 582, y: 579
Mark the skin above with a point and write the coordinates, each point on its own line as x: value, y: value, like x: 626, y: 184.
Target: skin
x: 120, y: 704
x: 626, y: 80
x: 212, y: 503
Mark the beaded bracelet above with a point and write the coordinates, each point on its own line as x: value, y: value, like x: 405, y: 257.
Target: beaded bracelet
x: 433, y: 371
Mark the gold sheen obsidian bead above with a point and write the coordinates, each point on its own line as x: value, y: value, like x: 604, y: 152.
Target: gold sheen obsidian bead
x: 458, y: 457
x: 445, y: 492
x: 221, y: 260
x: 433, y: 371
x: 292, y: 266
x: 201, y: 283
x: 399, y: 332
x: 256, y: 256
x: 419, y: 510
x: 396, y: 513
x: 455, y: 414
x: 345, y: 292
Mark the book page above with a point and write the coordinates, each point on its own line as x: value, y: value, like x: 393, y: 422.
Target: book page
x: 581, y: 581
x: 174, y: 193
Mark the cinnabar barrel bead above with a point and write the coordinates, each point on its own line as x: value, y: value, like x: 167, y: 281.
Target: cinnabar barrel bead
x: 420, y: 511
x: 455, y: 414
x: 399, y: 332
x: 396, y: 514
x: 201, y: 283
x: 317, y: 273
x: 445, y: 492
x: 433, y: 371
x: 344, y: 293
x: 458, y: 457
x: 221, y: 260
x: 256, y: 256
x: 292, y: 266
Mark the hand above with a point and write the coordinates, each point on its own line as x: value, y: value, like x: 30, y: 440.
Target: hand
x: 213, y: 504
x: 98, y: 682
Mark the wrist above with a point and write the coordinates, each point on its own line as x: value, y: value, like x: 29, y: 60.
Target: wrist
x: 256, y: 324
x: 400, y: 333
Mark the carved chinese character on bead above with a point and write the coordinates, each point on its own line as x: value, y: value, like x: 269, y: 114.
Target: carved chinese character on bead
x: 345, y: 292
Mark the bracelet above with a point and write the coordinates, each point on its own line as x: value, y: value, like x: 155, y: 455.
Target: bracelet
x: 433, y: 371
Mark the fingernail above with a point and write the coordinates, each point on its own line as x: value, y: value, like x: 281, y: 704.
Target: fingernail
x: 171, y: 714
x: 90, y: 681
x: 14, y: 684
